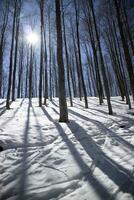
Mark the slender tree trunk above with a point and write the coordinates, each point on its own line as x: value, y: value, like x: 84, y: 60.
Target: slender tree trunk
x: 79, y: 53
x: 102, y: 62
x: 77, y: 64
x: 41, y: 50
x: 11, y: 59
x: 46, y: 71
x: 55, y: 75
x: 30, y: 72
x: 62, y: 93
x: 50, y: 56
x: 73, y: 76
x: 16, y: 51
x: 20, y: 70
x: 3, y: 29
x: 125, y: 47
x: 67, y: 58
x: 95, y: 55
x: 27, y: 74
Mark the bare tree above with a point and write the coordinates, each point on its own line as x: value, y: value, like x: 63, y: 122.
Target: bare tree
x: 102, y: 61
x: 41, y: 4
x: 2, y: 38
x: 16, y: 47
x: 67, y: 57
x: 125, y: 45
x: 11, y: 56
x: 61, y: 73
x: 77, y: 7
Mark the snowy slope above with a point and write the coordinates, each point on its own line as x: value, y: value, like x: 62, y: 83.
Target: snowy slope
x: 89, y: 158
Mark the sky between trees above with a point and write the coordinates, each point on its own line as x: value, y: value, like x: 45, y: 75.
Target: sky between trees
x: 65, y: 49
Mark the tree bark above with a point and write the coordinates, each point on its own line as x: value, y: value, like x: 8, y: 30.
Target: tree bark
x: 62, y: 93
x: 125, y: 47
x: 11, y: 59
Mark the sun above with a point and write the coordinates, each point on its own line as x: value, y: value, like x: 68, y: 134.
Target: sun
x: 32, y: 38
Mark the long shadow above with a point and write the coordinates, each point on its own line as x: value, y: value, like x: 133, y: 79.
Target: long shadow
x: 110, y: 167
x: 99, y: 111
x: 93, y: 109
x: 1, y: 103
x: 23, y: 178
x: 38, y: 128
x: 98, y: 114
x: 3, y: 108
x: 119, y: 102
x: 86, y: 110
x: 116, y: 115
x: 83, y: 108
x: 103, y: 128
x: 125, y: 118
x: 97, y: 186
x: 105, y: 113
x: 54, y: 104
x: 15, y: 112
x: 115, y: 172
x: 22, y: 169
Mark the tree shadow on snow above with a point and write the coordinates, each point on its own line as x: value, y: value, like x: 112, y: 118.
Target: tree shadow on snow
x: 38, y: 128
x: 14, y: 113
x: 102, y: 127
x: 101, y: 191
x: 2, y: 102
x: 121, y: 176
x: 19, y: 173
x: 24, y: 166
x: 3, y: 109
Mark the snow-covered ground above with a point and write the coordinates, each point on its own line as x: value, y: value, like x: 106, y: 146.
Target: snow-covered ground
x: 89, y: 158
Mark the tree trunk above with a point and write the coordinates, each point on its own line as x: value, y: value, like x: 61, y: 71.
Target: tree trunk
x: 30, y: 72
x: 3, y: 29
x: 62, y: 93
x: 67, y: 58
x: 41, y: 49
x: 11, y: 59
x: 125, y: 47
x: 102, y: 62
x: 79, y: 53
x: 16, y: 51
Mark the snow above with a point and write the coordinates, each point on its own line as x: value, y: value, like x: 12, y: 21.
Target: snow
x: 89, y: 158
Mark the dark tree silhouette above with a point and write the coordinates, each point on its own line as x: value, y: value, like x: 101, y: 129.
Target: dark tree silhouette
x: 62, y: 93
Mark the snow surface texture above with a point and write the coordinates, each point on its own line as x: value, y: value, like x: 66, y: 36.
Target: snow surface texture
x: 89, y: 158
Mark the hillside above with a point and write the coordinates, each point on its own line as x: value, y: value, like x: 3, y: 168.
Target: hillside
x: 89, y: 158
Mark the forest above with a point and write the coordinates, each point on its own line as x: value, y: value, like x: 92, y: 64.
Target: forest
x: 67, y: 99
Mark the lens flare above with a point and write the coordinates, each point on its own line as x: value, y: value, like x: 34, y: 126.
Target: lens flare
x: 32, y: 38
